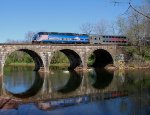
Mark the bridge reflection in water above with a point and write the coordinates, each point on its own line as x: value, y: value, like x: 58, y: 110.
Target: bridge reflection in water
x: 26, y: 84
x: 61, y: 88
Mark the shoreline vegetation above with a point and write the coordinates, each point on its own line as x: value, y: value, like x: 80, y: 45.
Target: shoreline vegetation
x: 128, y: 66
x: 32, y: 64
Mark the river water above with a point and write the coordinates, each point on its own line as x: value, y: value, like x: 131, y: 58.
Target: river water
x: 92, y: 92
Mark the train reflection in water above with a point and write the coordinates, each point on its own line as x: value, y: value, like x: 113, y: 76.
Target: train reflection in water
x: 59, y: 103
x: 105, y: 98
x: 63, y: 87
x: 99, y: 79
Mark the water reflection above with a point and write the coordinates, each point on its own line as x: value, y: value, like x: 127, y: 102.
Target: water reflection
x: 59, y: 81
x: 72, y: 84
x: 55, y: 80
x: 22, y: 83
x: 126, y: 92
x: 100, y: 78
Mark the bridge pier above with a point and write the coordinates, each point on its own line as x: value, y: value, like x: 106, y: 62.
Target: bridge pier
x: 46, y: 61
x: 1, y: 63
x: 119, y: 61
x: 1, y: 69
x: 84, y: 60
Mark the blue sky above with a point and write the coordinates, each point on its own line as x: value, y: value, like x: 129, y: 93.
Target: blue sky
x: 18, y: 17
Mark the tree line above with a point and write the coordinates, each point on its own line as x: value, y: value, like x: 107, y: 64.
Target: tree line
x: 133, y: 23
x: 19, y: 57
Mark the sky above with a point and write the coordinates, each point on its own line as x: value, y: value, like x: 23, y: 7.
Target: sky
x: 18, y: 17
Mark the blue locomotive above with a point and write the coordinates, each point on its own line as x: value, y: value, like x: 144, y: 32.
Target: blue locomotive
x: 60, y: 38
x: 74, y: 38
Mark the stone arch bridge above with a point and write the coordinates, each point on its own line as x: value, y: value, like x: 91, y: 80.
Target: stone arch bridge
x: 77, y: 54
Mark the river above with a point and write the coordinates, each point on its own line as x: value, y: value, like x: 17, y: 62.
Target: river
x: 63, y: 92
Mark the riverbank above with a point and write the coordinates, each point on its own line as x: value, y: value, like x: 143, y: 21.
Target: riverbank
x: 21, y: 64
x: 127, y: 66
x: 33, y: 64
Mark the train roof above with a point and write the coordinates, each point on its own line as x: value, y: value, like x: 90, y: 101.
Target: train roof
x: 108, y: 36
x: 63, y: 33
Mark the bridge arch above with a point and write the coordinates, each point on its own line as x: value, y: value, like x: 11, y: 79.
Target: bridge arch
x: 102, y: 58
x: 34, y: 55
x: 73, y: 57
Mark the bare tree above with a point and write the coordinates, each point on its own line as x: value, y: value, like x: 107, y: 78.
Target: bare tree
x: 121, y: 25
x: 11, y: 41
x: 139, y: 12
x: 87, y: 28
x: 112, y: 28
x: 136, y: 21
x: 101, y: 27
x: 28, y: 36
x: 131, y: 7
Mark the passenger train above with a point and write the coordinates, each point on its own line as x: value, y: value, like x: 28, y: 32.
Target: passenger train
x: 74, y: 38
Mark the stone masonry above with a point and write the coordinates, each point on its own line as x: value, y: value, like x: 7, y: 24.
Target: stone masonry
x: 77, y: 54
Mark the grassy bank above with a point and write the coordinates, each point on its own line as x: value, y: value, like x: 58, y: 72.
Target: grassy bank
x: 21, y: 64
x: 32, y: 64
